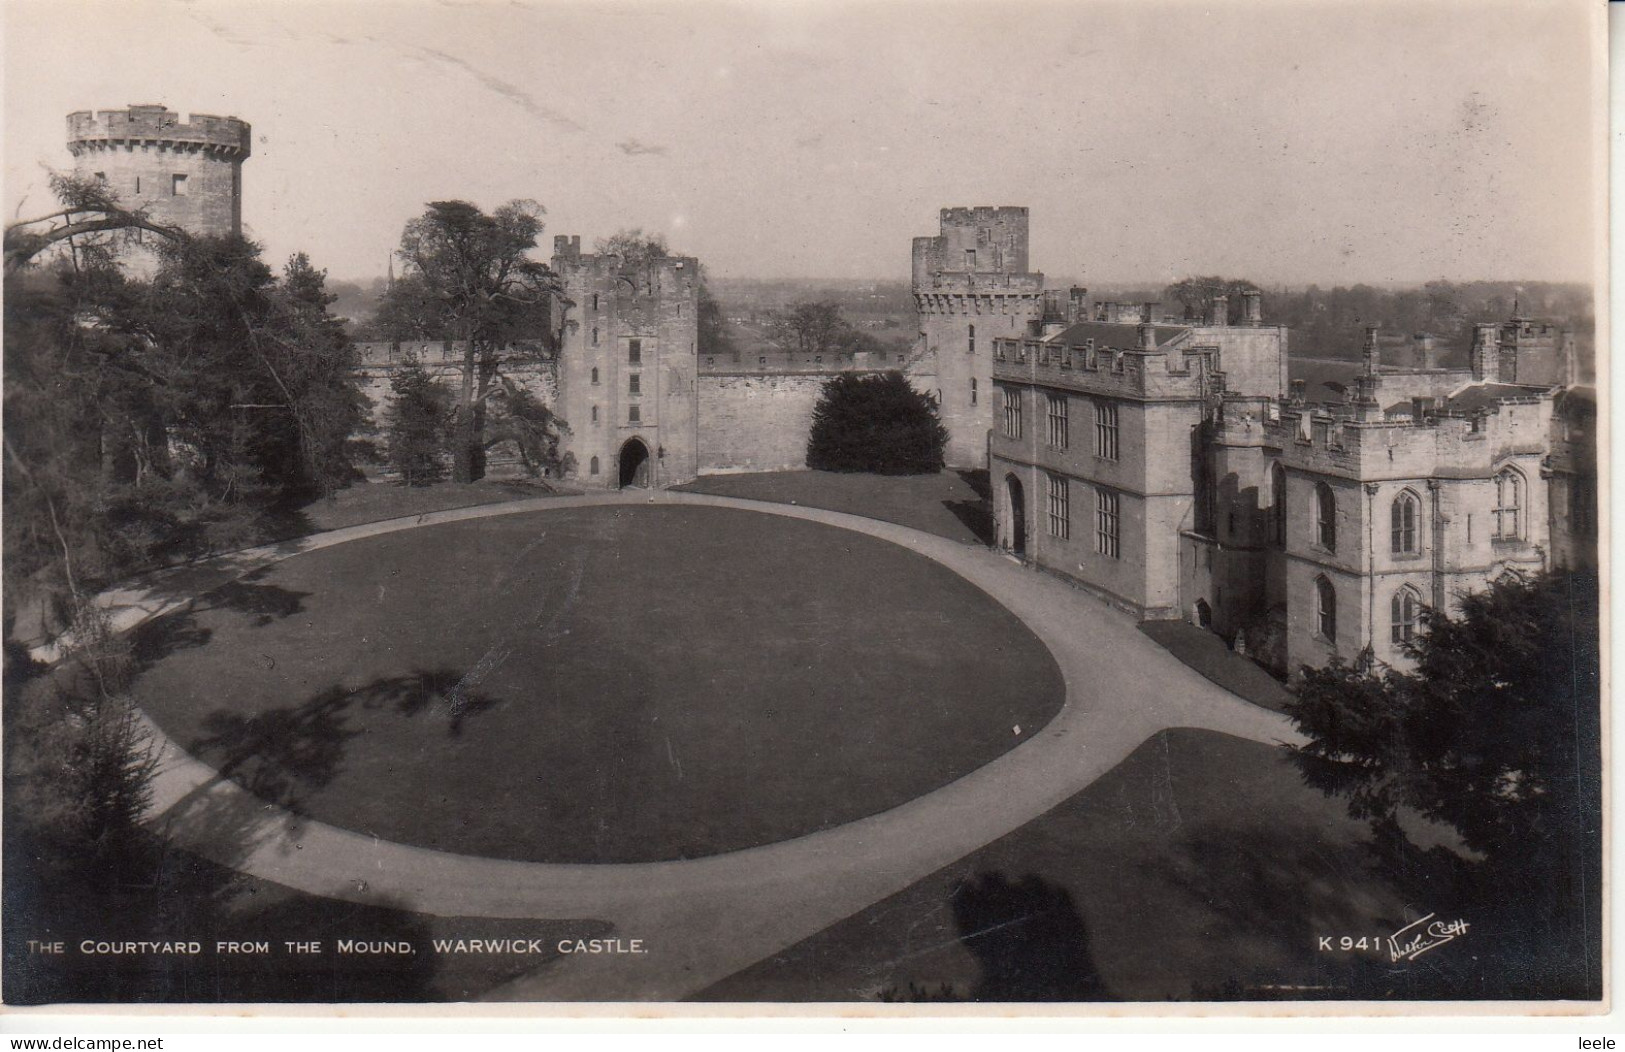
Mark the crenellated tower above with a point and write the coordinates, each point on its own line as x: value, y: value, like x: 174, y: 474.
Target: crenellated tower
x: 971, y: 284
x: 628, y: 365
x: 187, y: 174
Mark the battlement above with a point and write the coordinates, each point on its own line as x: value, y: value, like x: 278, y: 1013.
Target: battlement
x: 980, y: 240
x: 158, y: 125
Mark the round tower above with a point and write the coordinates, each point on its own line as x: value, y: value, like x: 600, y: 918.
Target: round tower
x: 185, y: 174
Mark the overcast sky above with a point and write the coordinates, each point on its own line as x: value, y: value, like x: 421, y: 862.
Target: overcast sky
x: 1287, y: 143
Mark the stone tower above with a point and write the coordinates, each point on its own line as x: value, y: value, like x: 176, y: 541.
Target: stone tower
x: 971, y: 284
x: 185, y: 174
x: 628, y: 365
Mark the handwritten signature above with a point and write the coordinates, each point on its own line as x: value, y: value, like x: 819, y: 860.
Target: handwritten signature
x: 1420, y: 936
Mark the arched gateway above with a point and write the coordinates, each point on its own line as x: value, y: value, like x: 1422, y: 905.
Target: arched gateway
x: 634, y: 461
x: 1016, y: 539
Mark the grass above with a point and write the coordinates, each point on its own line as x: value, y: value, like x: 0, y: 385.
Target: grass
x: 377, y: 501
x: 1200, y: 868
x: 1207, y: 654
x: 598, y: 684
x: 949, y: 504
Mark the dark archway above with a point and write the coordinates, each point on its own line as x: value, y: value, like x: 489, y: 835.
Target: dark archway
x: 1204, y: 614
x: 634, y: 462
x: 1017, y: 540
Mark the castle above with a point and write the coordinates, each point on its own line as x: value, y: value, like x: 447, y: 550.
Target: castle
x: 1177, y: 469
x: 183, y: 174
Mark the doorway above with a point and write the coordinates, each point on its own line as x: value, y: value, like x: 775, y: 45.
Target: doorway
x: 634, y: 461
x: 1017, y: 539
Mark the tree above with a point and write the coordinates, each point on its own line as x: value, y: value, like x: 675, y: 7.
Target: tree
x: 415, y: 421
x: 876, y: 423
x: 633, y: 246
x: 90, y: 211
x: 1196, y: 295
x: 1495, y: 733
x: 470, y: 279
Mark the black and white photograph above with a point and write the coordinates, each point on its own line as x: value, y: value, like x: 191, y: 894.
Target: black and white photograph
x: 873, y: 506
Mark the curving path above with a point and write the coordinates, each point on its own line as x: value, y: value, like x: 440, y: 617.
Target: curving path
x: 704, y: 919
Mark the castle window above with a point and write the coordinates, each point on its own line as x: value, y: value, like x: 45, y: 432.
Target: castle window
x: 762, y: 360
x: 1402, y: 523
x: 1107, y: 523
x: 595, y: 375
x: 101, y: 177
x: 595, y: 301
x: 594, y: 465
x: 1325, y: 516
x: 138, y: 184
x: 1106, y: 430
x: 970, y: 259
x: 1404, y: 610
x: 595, y: 336
x: 818, y: 359
x: 972, y: 339
x: 1012, y: 412
x: 1508, y: 500
x: 1058, y: 421
x: 635, y: 384
x: 1325, y: 610
x: 634, y: 352
x: 177, y: 185
x: 1277, y: 512
x: 595, y: 414
x: 634, y: 415
x: 973, y: 390
x: 1060, y: 509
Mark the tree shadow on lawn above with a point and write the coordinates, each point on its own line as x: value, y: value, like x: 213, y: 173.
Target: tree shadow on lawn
x: 1028, y: 938
x: 976, y: 515
x: 262, y: 604
x: 281, y: 755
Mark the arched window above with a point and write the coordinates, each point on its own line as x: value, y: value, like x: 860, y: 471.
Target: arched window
x: 1325, y: 610
x: 1403, y: 613
x: 972, y: 339
x: 1277, y: 510
x: 595, y: 465
x: 595, y: 375
x: 1402, y: 519
x: 595, y: 414
x: 1325, y: 516
x: 1508, y: 503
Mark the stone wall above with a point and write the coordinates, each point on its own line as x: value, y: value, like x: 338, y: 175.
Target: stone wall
x: 185, y: 174
x: 751, y: 422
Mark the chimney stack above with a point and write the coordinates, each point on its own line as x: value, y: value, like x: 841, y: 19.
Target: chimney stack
x: 1297, y: 388
x: 1148, y: 336
x: 1219, y: 313
x: 1421, y: 408
x: 1253, y: 308
x: 1427, y: 351
x: 1077, y: 304
x: 1486, y: 352
x: 1369, y: 352
x: 1148, y: 311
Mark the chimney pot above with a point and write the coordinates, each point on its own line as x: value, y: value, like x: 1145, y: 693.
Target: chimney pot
x: 1219, y: 313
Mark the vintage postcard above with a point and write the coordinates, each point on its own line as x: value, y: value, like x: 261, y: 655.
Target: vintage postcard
x: 865, y: 504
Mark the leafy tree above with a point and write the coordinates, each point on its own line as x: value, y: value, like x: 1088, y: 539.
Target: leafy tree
x: 415, y: 420
x: 875, y: 423
x: 633, y: 246
x: 469, y: 278
x: 1196, y: 295
x: 1495, y: 733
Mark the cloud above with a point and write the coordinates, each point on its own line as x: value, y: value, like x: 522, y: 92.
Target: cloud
x: 511, y: 92
x: 633, y: 148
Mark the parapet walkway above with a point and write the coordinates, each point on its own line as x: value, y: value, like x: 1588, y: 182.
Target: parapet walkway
x: 701, y: 920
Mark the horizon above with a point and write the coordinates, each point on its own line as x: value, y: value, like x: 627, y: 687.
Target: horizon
x: 1333, y: 145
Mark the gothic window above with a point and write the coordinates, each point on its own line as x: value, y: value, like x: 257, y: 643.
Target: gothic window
x: 595, y: 465
x: 1325, y: 516
x: 1012, y: 412
x: 1106, y: 430
x: 1508, y: 503
x: 972, y: 339
x: 595, y: 301
x: 595, y: 375
x: 595, y: 414
x: 1060, y: 509
x: 1325, y: 610
x: 973, y: 390
x: 1402, y: 523
x: 595, y: 336
x: 1277, y: 512
x: 1404, y: 610
x: 1058, y: 424
x: 1107, y: 524
x: 634, y: 352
